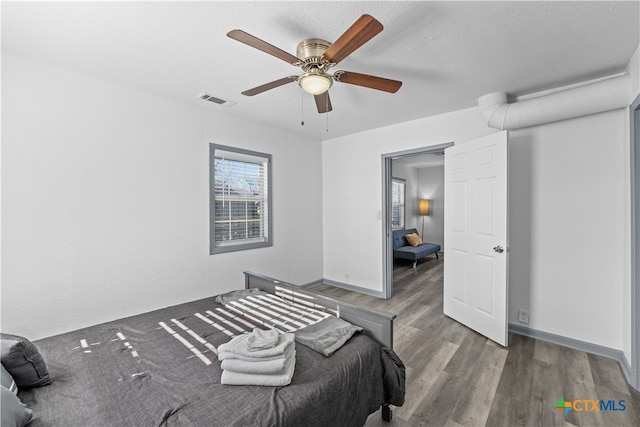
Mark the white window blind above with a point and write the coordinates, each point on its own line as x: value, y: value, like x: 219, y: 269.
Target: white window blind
x: 397, y: 203
x: 240, y: 199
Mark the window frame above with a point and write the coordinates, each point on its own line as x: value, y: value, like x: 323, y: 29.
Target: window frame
x: 244, y: 244
x: 403, y: 218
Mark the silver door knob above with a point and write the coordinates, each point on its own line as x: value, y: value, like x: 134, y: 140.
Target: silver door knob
x: 498, y: 249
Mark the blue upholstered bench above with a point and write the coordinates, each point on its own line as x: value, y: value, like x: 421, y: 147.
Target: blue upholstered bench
x: 402, y: 249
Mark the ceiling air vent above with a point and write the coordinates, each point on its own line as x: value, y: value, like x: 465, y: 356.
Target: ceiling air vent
x: 210, y: 98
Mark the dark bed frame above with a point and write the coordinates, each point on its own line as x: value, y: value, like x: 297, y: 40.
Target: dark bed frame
x: 376, y: 323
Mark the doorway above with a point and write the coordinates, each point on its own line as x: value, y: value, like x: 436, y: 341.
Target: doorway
x: 405, y: 166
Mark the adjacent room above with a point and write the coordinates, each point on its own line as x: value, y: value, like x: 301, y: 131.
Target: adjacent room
x: 158, y: 155
x: 417, y: 202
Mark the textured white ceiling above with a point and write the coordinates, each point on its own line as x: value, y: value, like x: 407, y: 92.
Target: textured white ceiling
x: 446, y: 53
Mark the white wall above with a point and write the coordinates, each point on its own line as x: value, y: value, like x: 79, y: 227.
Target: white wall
x: 296, y: 255
x: 567, y: 222
x: 352, y: 190
x: 105, y: 202
x: 431, y: 186
x: 567, y: 228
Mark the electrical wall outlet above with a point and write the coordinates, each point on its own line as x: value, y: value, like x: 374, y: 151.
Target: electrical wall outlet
x: 523, y: 316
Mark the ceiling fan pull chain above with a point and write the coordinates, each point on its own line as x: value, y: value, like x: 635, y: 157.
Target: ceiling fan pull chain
x: 327, y: 114
x: 301, y: 110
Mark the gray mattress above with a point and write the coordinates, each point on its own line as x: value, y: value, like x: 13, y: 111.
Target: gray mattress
x: 133, y: 372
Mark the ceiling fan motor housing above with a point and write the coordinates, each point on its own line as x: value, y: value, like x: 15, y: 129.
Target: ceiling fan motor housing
x: 311, y: 52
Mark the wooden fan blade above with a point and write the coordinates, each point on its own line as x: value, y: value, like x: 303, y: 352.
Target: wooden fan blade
x: 270, y: 85
x: 365, y: 28
x: 372, y: 82
x: 255, y: 42
x: 323, y: 102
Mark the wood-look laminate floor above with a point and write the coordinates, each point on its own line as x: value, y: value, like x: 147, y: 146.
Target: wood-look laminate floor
x: 456, y: 377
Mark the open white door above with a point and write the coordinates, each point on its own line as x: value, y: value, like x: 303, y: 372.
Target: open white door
x: 476, y: 235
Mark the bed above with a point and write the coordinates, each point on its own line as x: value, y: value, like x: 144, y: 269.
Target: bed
x: 160, y: 369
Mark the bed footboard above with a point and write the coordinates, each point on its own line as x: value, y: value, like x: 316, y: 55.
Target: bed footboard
x: 376, y: 323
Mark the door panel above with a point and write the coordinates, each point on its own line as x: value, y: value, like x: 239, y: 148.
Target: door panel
x: 475, y: 271
x: 459, y: 259
x: 459, y: 206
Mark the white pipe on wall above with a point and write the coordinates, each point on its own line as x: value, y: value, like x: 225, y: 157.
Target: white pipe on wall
x: 578, y: 101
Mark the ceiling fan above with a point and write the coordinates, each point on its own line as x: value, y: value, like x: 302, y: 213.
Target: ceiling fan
x: 316, y: 56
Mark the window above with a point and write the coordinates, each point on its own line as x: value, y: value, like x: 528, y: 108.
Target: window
x: 397, y: 203
x: 240, y: 199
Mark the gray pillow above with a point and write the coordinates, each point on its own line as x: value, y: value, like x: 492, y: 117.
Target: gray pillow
x: 23, y: 361
x: 14, y: 412
x: 7, y: 381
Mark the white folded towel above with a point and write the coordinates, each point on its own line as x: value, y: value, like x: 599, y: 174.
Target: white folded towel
x: 261, y: 339
x: 238, y: 346
x: 259, y: 366
x: 237, y: 378
x: 225, y: 355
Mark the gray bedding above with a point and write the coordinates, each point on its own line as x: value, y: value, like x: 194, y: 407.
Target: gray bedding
x: 160, y: 369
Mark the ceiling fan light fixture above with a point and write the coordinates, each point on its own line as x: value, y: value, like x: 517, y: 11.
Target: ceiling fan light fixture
x: 315, y: 83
